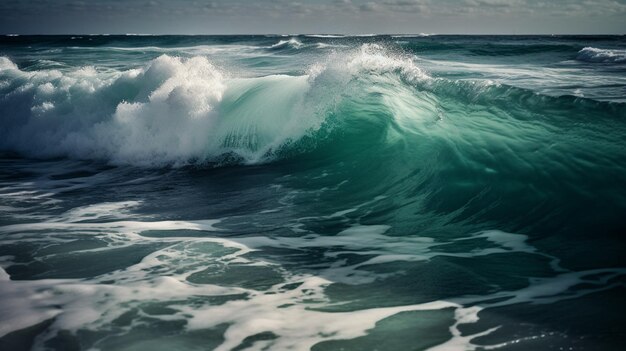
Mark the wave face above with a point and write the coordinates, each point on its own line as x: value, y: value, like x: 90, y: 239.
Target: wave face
x: 312, y: 192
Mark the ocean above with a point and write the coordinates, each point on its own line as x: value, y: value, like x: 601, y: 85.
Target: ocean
x: 312, y: 192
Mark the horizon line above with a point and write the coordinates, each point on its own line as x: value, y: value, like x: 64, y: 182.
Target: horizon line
x: 299, y: 34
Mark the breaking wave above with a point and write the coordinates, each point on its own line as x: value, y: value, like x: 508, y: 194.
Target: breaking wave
x: 172, y: 111
x: 590, y: 54
x: 292, y: 43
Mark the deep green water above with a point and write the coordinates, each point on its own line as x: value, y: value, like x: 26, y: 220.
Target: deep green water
x: 312, y: 192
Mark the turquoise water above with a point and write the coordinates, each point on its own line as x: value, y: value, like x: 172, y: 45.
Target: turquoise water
x: 312, y: 192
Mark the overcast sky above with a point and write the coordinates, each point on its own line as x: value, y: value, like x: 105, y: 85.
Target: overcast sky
x: 315, y: 16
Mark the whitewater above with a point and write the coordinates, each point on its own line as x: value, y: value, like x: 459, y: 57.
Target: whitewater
x: 312, y: 192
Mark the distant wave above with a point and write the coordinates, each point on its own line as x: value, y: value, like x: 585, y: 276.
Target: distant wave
x: 420, y: 35
x: 195, y: 49
x: 294, y: 43
x: 590, y: 54
x: 327, y: 46
x: 291, y: 43
x: 325, y: 36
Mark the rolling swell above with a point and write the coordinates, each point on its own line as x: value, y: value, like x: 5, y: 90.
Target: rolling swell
x: 444, y: 146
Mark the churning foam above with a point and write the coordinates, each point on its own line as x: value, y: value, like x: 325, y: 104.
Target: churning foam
x: 170, y: 112
x: 292, y: 309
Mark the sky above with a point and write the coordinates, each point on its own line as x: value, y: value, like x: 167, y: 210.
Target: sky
x: 314, y: 16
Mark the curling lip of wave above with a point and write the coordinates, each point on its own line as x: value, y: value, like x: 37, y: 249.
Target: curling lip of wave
x: 591, y: 54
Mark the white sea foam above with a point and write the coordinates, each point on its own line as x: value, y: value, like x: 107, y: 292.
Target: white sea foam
x: 6, y: 64
x: 165, y: 113
x: 295, y: 316
x: 369, y: 58
x: 591, y: 54
x: 292, y: 43
x: 327, y: 45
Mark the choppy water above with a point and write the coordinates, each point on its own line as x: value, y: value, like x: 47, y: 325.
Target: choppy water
x: 312, y: 192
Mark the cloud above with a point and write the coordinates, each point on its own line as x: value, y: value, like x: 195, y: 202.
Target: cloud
x: 496, y: 3
x: 369, y: 7
x: 44, y: 16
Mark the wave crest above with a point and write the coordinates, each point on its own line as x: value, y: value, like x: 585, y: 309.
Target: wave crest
x: 369, y: 59
x: 292, y: 43
x: 178, y: 111
x: 590, y: 54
